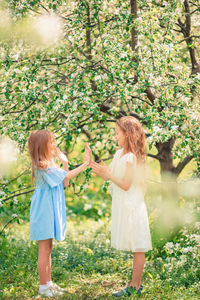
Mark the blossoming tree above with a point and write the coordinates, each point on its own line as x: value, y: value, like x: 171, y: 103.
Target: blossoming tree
x: 109, y: 58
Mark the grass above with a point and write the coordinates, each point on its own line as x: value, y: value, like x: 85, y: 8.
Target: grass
x: 84, y: 263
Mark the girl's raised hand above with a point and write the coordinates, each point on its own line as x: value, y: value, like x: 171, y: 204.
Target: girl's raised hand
x: 101, y: 169
x: 88, y: 154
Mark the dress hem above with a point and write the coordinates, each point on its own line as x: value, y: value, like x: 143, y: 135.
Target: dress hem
x: 133, y: 250
x: 47, y: 238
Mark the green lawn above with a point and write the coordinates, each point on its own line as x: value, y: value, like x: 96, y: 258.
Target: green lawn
x: 90, y: 269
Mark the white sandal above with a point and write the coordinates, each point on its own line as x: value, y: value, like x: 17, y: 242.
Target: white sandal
x: 50, y: 292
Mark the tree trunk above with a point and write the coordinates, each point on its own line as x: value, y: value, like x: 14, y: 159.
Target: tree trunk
x: 169, y: 189
x: 165, y: 157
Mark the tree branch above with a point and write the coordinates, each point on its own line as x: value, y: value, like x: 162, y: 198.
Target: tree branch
x: 193, y: 3
x: 187, y: 17
x: 152, y: 155
x: 186, y: 30
x: 20, y: 111
x: 181, y: 165
x: 44, y: 8
x: 105, y: 108
x: 192, y: 36
x: 16, y: 195
x: 135, y: 97
x: 6, y: 184
x: 134, y: 33
x: 150, y: 95
x: 10, y: 221
x: 198, y: 9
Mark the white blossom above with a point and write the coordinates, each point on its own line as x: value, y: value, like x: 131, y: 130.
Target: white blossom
x: 169, y: 247
x: 87, y: 206
x: 99, y: 212
x: 14, y: 215
x: 198, y: 76
x: 187, y: 249
x: 25, y: 69
x: 97, y: 77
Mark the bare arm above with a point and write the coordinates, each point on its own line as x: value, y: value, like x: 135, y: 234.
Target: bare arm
x: 104, y: 172
x: 66, y: 168
x: 87, y: 160
x: 75, y: 172
x: 125, y: 182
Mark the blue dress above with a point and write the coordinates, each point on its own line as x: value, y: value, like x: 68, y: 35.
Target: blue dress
x: 47, y: 214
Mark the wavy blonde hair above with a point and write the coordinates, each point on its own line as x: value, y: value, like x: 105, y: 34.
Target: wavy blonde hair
x: 136, y: 140
x: 39, y: 150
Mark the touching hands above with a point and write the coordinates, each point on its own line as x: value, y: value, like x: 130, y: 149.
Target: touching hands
x: 87, y: 157
x: 101, y: 169
x: 88, y: 154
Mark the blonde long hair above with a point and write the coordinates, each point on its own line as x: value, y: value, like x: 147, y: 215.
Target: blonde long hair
x: 39, y: 150
x: 136, y: 140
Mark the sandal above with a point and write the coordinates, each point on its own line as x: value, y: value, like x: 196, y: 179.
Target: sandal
x: 128, y: 291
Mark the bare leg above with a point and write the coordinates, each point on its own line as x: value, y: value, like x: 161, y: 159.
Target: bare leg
x: 44, y: 260
x: 138, y: 266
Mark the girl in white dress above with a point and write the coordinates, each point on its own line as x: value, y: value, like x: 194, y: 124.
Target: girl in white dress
x: 129, y: 224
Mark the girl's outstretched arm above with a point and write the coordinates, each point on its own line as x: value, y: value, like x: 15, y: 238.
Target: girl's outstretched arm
x: 103, y: 171
x: 87, y: 160
x: 66, y: 168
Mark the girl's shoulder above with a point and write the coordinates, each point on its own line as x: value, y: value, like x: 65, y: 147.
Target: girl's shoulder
x: 53, y: 176
x: 118, y: 153
x: 128, y: 157
x: 51, y: 166
x: 121, y: 158
x: 47, y: 169
x: 52, y: 169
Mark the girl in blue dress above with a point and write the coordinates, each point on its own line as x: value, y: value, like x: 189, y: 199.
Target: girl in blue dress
x: 47, y: 214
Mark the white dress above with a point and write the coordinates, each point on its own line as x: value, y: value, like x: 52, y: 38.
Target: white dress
x: 129, y: 222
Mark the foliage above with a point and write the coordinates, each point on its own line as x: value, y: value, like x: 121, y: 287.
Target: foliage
x: 179, y: 258
x: 87, y: 265
x: 94, y: 74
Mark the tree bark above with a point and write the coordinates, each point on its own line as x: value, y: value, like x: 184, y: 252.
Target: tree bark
x: 186, y: 31
x: 165, y: 157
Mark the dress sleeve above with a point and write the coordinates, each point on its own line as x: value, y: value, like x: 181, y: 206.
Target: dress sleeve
x: 54, y: 176
x: 131, y: 158
x: 113, y: 160
x: 111, y: 165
